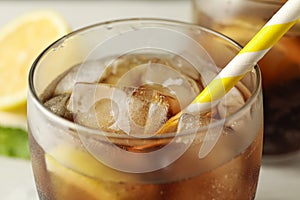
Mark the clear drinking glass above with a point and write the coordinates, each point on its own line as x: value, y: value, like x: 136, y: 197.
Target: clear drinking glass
x: 99, y: 95
x: 240, y: 20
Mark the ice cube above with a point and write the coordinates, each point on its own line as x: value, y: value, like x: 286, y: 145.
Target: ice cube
x: 189, y: 121
x: 192, y: 123
x: 149, y: 109
x: 165, y: 77
x: 131, y: 110
x: 58, y: 105
x: 232, y: 101
x: 93, y: 105
x: 88, y: 72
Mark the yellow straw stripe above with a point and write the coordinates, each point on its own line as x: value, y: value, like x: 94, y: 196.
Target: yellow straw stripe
x: 217, y: 89
x: 263, y: 40
x: 267, y: 37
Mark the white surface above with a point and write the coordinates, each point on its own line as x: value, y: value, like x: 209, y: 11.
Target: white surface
x: 280, y: 180
x: 16, y: 182
x: 82, y: 13
x: 277, y: 182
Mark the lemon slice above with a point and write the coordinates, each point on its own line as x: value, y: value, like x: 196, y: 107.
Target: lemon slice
x: 21, y: 41
x: 75, y: 185
x: 13, y: 119
x: 76, y: 175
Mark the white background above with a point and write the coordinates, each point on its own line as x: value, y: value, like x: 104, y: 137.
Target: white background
x: 279, y: 181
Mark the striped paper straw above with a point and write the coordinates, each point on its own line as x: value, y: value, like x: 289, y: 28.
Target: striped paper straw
x: 244, y: 61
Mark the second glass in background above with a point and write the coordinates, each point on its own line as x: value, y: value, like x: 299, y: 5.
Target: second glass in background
x: 240, y: 20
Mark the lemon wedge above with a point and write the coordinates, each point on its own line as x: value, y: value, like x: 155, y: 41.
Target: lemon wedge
x: 21, y: 41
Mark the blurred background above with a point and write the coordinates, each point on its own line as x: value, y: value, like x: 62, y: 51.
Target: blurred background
x: 279, y: 181
x: 82, y: 13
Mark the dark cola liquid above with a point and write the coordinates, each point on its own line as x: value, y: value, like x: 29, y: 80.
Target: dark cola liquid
x: 65, y: 170
x: 282, y: 117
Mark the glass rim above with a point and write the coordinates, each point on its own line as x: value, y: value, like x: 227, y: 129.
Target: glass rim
x: 274, y: 2
x: 158, y: 21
